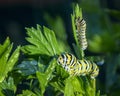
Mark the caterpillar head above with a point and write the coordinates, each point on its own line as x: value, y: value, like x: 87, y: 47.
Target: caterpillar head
x: 60, y: 60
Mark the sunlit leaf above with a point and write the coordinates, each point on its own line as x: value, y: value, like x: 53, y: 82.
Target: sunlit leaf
x: 4, y: 46
x: 42, y: 42
x: 6, y: 61
x: 89, y: 86
x: 74, y: 87
x: 69, y: 88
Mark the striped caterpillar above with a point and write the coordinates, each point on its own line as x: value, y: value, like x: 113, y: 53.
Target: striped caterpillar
x: 81, y: 32
x: 77, y: 67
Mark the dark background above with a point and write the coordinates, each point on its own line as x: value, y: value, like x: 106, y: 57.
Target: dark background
x: 16, y: 15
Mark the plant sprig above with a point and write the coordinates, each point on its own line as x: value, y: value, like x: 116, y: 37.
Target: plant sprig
x: 77, y: 12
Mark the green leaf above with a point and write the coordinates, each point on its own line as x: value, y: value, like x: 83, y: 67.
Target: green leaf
x: 3, y: 63
x: 78, y: 11
x: 68, y: 88
x: 50, y: 36
x: 42, y: 42
x: 41, y: 65
x: 73, y: 27
x: 51, y: 67
x: 7, y: 62
x: 58, y: 86
x: 44, y: 78
x: 8, y: 87
x: 27, y: 93
x: 89, y: 86
x: 74, y: 87
x: 13, y: 59
x: 61, y: 72
x: 58, y: 80
x: 4, y: 46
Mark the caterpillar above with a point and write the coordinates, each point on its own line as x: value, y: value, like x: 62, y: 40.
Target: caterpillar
x: 77, y: 67
x: 81, y: 32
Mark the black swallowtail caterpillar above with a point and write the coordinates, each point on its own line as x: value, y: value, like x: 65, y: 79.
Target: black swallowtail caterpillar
x: 81, y: 32
x: 77, y: 67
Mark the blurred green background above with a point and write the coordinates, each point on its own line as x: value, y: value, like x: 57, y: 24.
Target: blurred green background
x: 103, y: 30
